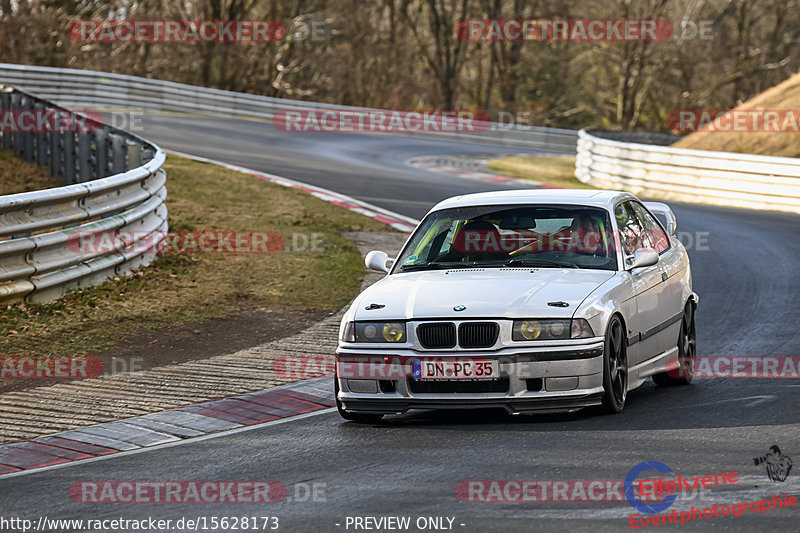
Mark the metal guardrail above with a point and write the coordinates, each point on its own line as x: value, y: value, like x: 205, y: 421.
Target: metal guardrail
x: 717, y: 178
x: 72, y: 87
x: 114, y: 182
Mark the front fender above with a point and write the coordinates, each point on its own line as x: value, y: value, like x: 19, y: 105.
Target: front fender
x: 613, y: 296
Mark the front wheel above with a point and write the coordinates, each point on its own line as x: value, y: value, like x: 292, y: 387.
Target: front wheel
x: 615, y: 368
x: 363, y: 418
x: 687, y: 353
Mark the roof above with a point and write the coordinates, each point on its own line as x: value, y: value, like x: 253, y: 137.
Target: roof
x: 587, y: 197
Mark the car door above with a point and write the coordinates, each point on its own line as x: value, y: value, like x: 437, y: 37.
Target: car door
x: 647, y: 284
x: 672, y: 269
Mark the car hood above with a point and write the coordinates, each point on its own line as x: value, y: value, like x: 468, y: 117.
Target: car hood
x: 490, y: 292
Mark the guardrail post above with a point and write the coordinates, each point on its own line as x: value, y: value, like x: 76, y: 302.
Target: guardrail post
x: 134, y: 154
x: 26, y: 144
x: 100, y: 154
x: 41, y: 135
x: 69, y: 157
x: 84, y: 157
x: 5, y: 107
x: 55, y: 154
x: 118, y: 153
x: 16, y: 104
x: 43, y: 149
x: 27, y: 149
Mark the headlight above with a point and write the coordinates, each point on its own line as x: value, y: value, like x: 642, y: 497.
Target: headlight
x: 375, y: 332
x: 547, y: 329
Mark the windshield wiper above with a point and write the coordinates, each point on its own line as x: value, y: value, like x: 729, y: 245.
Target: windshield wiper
x: 435, y: 266
x: 538, y: 263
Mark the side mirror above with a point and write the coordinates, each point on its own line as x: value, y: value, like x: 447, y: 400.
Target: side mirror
x: 659, y: 208
x: 644, y: 257
x: 376, y: 260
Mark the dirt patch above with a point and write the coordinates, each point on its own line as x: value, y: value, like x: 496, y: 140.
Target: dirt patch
x: 214, y: 337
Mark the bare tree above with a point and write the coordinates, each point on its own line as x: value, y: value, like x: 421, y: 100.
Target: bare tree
x: 407, y: 54
x: 441, y: 48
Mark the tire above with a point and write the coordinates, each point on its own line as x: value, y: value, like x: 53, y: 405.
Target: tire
x: 362, y: 418
x: 687, y: 353
x: 615, y: 368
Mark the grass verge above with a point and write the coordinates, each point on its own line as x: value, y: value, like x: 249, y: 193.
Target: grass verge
x: 17, y: 175
x: 553, y: 170
x: 186, y: 288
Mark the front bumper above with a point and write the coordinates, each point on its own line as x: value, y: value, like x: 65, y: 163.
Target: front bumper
x: 556, y: 379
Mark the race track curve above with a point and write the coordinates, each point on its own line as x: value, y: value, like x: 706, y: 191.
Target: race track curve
x: 747, y: 279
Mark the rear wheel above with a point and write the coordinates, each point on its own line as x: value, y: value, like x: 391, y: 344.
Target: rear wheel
x: 687, y: 351
x: 615, y: 368
x: 363, y: 418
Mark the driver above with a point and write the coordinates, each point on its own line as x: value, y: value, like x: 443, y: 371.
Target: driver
x: 584, y: 234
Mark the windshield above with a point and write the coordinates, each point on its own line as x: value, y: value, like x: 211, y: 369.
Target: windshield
x: 559, y: 236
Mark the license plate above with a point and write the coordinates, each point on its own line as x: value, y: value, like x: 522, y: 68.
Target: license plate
x: 456, y: 369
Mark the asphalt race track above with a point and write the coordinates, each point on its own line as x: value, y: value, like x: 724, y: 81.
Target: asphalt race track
x: 746, y: 272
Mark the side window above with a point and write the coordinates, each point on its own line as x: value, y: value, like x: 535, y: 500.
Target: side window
x: 655, y: 236
x: 631, y: 231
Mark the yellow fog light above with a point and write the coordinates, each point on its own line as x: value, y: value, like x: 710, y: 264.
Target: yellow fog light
x: 393, y: 332
x: 530, y: 329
